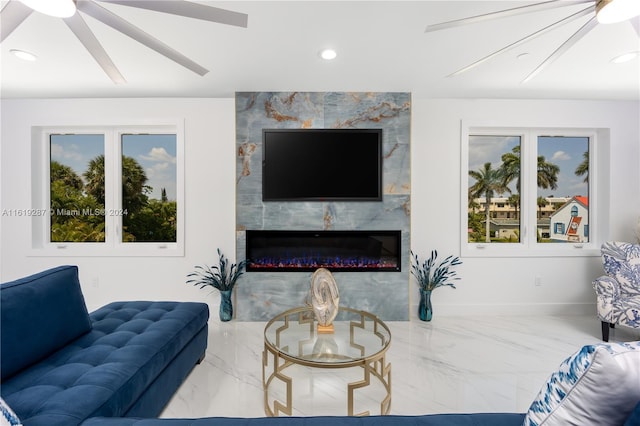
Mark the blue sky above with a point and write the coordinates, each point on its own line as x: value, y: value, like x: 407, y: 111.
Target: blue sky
x: 565, y: 152
x: 155, y: 153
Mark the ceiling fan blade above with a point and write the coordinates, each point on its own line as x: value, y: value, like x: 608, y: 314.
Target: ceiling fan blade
x: 114, y: 21
x: 635, y: 22
x: 553, y: 4
x: 12, y: 16
x: 530, y: 37
x: 189, y: 10
x: 591, y: 24
x: 91, y: 43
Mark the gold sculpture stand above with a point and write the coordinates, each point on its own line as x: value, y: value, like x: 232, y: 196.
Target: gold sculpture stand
x: 326, y: 329
x: 288, y: 337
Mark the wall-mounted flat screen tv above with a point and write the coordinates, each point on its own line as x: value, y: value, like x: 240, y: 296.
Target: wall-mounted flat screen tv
x: 322, y: 165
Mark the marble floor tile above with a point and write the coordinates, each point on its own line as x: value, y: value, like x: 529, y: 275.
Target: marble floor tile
x: 451, y: 364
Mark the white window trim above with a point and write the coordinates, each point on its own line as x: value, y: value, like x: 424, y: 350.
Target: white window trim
x: 528, y: 247
x: 113, y: 246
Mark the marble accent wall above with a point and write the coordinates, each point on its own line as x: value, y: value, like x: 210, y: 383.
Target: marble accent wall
x: 261, y: 295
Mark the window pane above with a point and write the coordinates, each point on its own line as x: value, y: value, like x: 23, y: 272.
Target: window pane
x: 563, y: 189
x: 494, y: 189
x: 149, y: 182
x: 76, y: 169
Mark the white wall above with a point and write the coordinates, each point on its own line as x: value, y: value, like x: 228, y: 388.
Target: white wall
x: 488, y: 285
x: 506, y: 285
x: 209, y: 193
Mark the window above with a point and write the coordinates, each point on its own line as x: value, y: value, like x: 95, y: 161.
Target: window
x: 543, y: 177
x: 108, y: 191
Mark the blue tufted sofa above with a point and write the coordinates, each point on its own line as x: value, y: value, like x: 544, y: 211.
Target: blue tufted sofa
x: 61, y: 365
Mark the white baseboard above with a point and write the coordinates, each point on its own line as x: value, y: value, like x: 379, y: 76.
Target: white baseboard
x: 521, y: 309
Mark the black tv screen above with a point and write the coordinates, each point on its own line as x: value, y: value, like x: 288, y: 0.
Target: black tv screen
x: 322, y: 165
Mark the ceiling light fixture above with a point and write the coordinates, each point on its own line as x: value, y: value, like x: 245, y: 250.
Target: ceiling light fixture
x: 625, y: 57
x: 57, y: 8
x: 612, y: 11
x: 328, y: 54
x: 23, y: 54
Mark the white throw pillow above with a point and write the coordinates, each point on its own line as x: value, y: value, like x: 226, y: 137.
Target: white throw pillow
x: 7, y: 416
x: 598, y: 385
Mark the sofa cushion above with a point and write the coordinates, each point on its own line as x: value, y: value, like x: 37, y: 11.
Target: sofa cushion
x: 104, y: 372
x: 7, y: 416
x: 600, y: 384
x: 40, y: 314
x: 634, y: 418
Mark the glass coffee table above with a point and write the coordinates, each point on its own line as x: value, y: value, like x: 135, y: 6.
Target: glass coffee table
x: 291, y: 341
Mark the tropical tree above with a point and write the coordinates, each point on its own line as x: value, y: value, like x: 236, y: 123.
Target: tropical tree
x: 488, y: 181
x: 65, y: 175
x: 510, y: 167
x: 143, y: 219
x: 94, y: 178
x: 134, y: 185
x: 583, y: 168
x: 547, y: 173
x: 155, y: 222
x: 76, y: 216
x: 541, y: 202
x: 514, y: 200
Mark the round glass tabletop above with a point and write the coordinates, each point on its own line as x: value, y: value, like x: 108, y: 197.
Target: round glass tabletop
x: 357, y: 337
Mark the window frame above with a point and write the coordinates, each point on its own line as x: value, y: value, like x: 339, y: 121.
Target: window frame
x: 528, y: 245
x: 41, y: 244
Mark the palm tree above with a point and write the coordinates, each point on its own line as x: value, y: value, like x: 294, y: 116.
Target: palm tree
x: 94, y: 178
x: 511, y: 167
x: 134, y: 185
x: 65, y: 174
x: 547, y: 174
x: 541, y: 201
x: 583, y: 168
x: 514, y: 200
x: 488, y: 182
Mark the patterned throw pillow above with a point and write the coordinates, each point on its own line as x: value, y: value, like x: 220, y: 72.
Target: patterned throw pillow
x: 598, y: 385
x: 8, y: 417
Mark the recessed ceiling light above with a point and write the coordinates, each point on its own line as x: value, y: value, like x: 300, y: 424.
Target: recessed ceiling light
x: 625, y: 57
x: 328, y: 54
x: 23, y: 54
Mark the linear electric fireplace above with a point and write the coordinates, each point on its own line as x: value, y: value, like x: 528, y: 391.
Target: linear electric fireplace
x: 335, y: 250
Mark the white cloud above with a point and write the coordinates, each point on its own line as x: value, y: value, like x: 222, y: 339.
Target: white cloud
x: 68, y: 152
x: 159, y: 155
x: 560, y: 156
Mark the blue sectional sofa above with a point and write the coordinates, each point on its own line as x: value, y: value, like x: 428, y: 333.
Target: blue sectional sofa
x: 502, y: 419
x: 120, y: 365
x: 61, y: 365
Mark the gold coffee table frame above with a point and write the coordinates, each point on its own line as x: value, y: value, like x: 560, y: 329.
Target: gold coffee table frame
x: 284, y: 354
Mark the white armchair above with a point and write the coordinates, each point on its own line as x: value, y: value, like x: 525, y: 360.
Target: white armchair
x: 618, y: 292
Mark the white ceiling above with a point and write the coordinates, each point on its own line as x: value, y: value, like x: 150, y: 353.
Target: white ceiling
x: 381, y: 45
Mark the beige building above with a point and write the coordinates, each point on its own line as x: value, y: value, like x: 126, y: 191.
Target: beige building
x: 505, y: 215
